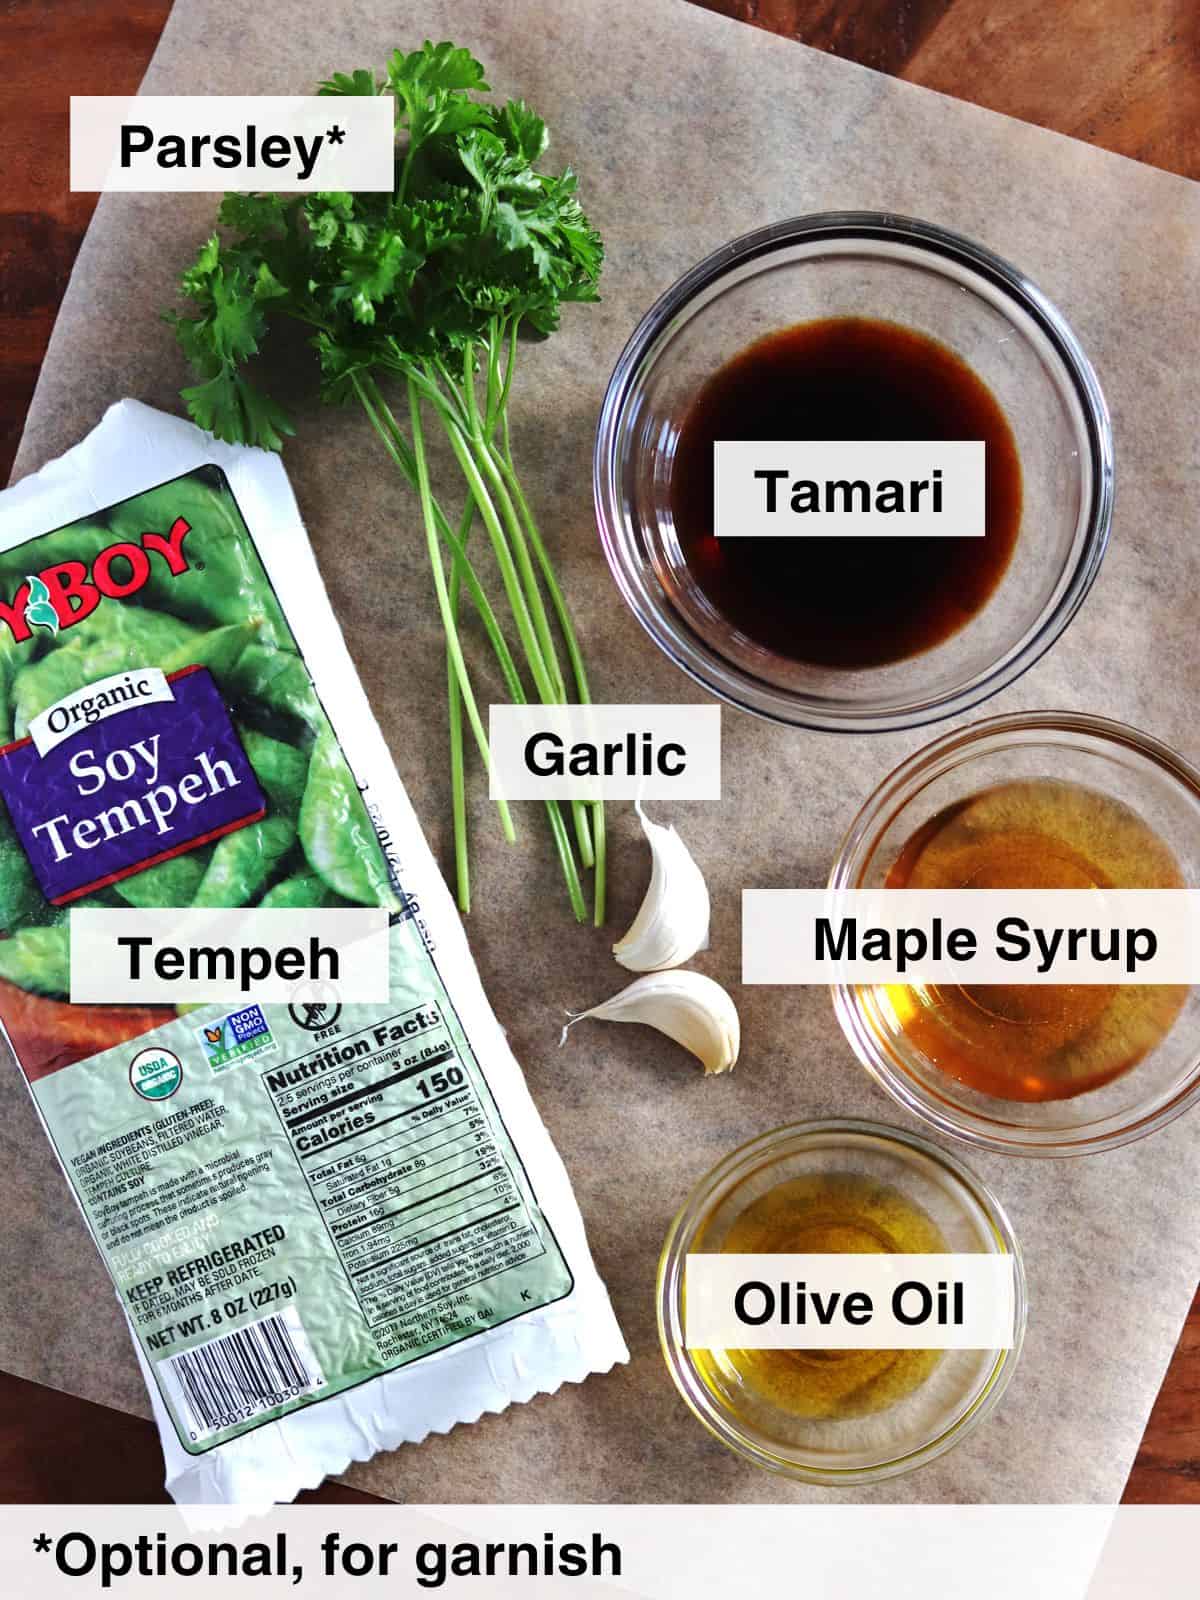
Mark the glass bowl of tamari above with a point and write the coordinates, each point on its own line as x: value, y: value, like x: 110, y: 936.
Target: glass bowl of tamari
x: 843, y: 1416
x: 1035, y: 800
x: 855, y: 326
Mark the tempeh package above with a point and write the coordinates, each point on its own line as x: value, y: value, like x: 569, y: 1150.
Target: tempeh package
x: 332, y: 1230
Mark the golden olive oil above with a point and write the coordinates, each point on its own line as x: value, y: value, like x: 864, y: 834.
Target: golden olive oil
x: 1032, y: 1041
x: 826, y: 1213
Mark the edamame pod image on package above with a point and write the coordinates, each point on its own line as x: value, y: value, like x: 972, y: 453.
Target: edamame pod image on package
x: 129, y: 562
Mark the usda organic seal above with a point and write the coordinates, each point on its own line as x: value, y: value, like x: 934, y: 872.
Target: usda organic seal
x: 155, y: 1073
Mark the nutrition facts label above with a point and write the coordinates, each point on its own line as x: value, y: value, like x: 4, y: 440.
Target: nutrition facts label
x: 410, y: 1166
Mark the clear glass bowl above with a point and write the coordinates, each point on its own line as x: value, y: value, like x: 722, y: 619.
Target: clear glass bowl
x: 942, y: 285
x: 1107, y: 756
x: 964, y: 1387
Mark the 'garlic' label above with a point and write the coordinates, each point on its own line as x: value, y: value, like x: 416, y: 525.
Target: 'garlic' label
x: 605, y: 752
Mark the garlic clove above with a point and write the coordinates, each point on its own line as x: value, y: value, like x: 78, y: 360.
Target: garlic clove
x: 672, y: 921
x: 688, y: 1007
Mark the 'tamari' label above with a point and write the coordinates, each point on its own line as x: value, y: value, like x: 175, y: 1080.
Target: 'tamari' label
x: 289, y: 1229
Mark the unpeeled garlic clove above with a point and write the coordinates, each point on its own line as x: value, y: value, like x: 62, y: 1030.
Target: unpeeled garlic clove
x: 688, y: 1007
x: 672, y: 921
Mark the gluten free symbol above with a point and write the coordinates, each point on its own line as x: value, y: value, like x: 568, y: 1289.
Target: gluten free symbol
x: 315, y: 1006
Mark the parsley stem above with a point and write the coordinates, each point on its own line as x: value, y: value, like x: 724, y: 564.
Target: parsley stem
x: 502, y: 341
x: 460, y: 418
x: 458, y: 786
x: 405, y: 169
x: 497, y: 338
x: 504, y: 559
x: 454, y: 720
x: 439, y: 582
x: 520, y: 547
x: 480, y: 440
x: 493, y: 375
x: 462, y: 568
x: 459, y: 400
x: 546, y: 690
x: 380, y: 412
x: 574, y: 654
x: 461, y: 446
x: 458, y: 793
x: 380, y: 415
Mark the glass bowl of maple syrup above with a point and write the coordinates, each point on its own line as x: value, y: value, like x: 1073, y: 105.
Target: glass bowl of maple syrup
x: 854, y: 326
x: 1037, y: 800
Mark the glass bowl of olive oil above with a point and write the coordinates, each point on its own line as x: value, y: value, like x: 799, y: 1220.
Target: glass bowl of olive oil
x: 843, y: 1416
x: 1037, y: 800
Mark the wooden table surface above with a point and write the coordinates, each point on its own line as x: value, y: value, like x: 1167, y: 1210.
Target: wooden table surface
x: 1124, y: 74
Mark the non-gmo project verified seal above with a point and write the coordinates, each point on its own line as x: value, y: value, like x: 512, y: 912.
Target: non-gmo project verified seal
x: 241, y: 1036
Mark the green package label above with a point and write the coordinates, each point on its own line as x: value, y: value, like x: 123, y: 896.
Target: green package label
x: 291, y: 1200
x: 290, y: 1230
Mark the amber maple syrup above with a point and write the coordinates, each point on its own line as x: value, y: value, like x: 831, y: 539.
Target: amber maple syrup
x: 1036, y: 1041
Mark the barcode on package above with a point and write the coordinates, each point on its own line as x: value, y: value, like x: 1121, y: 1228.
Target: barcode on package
x: 238, y: 1376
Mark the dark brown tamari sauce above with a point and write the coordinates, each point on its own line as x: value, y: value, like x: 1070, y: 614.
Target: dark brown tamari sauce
x: 845, y: 602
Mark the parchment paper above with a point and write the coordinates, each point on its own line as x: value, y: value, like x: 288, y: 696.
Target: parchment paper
x: 687, y: 130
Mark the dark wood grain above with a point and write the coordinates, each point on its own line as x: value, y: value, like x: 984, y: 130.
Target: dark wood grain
x: 51, y: 51
x: 1167, y: 1469
x: 884, y: 34
x: 1124, y: 74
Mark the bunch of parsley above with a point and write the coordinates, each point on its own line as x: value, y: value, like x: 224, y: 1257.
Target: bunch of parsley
x: 415, y: 300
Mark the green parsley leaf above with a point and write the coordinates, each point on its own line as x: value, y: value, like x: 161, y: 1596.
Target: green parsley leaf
x: 358, y: 82
x: 473, y: 242
x: 524, y: 132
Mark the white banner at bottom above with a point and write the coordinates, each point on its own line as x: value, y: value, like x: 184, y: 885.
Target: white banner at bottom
x: 836, y: 1552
